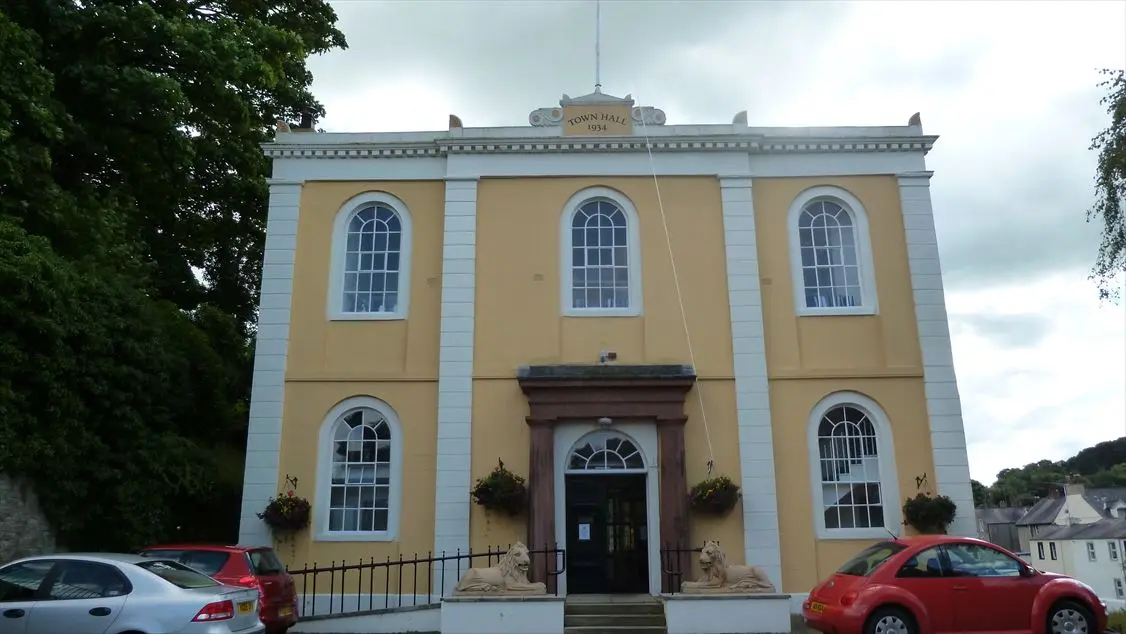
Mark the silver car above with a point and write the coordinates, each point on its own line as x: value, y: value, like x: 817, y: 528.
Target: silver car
x: 118, y: 594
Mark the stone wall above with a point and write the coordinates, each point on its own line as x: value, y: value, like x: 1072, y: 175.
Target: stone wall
x: 23, y: 529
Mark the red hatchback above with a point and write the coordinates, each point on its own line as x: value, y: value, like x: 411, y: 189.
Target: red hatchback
x: 935, y: 584
x: 248, y: 566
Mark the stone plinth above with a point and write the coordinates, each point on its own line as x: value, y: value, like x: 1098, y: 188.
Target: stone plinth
x: 502, y: 615
x: 727, y: 613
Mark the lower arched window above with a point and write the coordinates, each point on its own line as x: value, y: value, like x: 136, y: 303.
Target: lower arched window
x: 854, y: 473
x: 359, y: 496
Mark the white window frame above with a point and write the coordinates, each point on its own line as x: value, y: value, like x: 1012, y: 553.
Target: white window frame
x: 1092, y: 554
x: 1040, y: 551
x: 324, y: 474
x: 1052, y: 551
x: 889, y: 474
x: 344, y: 216
x: 633, y: 237
x: 868, y: 296
x: 1119, y: 590
x: 1112, y: 548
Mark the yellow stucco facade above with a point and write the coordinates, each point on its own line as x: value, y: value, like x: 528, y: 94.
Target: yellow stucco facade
x: 415, y: 288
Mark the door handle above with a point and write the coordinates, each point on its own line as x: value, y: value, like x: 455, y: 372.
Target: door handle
x: 99, y: 611
x: 14, y: 613
x: 959, y: 587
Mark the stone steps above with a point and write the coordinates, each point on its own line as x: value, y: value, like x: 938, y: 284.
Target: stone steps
x: 613, y: 615
x: 616, y: 620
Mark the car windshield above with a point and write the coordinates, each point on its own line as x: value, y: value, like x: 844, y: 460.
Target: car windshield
x: 868, y: 560
x: 177, y: 574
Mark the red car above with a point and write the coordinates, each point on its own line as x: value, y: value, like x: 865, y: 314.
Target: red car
x: 935, y: 584
x: 248, y: 566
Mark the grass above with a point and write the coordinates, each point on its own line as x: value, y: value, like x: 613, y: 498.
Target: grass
x: 1116, y: 621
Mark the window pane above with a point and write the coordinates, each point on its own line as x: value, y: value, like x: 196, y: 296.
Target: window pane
x: 81, y: 580
x: 807, y: 256
x: 209, y: 562
x: 578, y: 298
x: 178, y: 574
x: 621, y: 298
x: 265, y: 562
x: 868, y: 560
x: 19, y: 582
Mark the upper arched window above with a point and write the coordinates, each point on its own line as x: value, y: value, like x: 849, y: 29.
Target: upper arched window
x: 601, y: 262
x: 605, y: 451
x: 358, y: 490
x: 831, y: 253
x: 370, y: 259
x: 853, y: 468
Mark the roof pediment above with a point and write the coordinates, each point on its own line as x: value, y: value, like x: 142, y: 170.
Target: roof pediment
x: 596, y: 98
x: 638, y: 115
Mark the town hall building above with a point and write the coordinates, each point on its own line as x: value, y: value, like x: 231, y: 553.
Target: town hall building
x: 615, y: 307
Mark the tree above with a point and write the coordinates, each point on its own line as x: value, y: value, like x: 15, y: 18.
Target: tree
x: 981, y: 494
x: 1110, y: 186
x: 132, y: 213
x: 1101, y: 465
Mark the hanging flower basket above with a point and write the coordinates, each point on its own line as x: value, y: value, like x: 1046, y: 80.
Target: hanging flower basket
x: 929, y: 514
x: 714, y: 496
x: 287, y: 513
x: 501, y: 491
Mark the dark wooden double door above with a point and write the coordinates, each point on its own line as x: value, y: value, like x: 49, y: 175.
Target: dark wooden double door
x: 607, y: 538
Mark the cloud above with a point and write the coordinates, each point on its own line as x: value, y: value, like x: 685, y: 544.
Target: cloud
x: 1009, y: 86
x: 1025, y: 330
x: 1041, y: 368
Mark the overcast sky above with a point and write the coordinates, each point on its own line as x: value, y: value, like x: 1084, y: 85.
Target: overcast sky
x: 1009, y: 86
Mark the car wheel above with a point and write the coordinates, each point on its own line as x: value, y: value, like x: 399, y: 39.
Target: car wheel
x: 890, y: 621
x: 1068, y: 617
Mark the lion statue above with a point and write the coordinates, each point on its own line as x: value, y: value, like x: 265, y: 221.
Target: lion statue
x: 509, y: 576
x: 720, y: 578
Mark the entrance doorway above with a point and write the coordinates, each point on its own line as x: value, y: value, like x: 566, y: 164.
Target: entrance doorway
x: 606, y: 517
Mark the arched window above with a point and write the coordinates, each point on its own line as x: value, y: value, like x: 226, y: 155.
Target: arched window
x: 853, y: 468
x: 371, y: 258
x: 831, y: 253
x: 601, y: 257
x: 358, y: 496
x: 605, y: 451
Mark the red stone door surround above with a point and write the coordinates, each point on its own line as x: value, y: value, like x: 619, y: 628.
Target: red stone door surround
x: 623, y: 393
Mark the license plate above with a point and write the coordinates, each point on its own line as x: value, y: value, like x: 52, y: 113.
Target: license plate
x: 285, y: 611
x: 245, y: 607
x: 816, y: 608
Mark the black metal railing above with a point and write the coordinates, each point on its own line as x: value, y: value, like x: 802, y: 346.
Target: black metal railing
x: 341, y: 587
x: 676, y: 566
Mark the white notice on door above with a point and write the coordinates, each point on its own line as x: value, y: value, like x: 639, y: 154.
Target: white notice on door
x: 584, y: 532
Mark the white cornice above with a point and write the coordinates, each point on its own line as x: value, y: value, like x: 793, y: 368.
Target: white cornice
x: 754, y: 144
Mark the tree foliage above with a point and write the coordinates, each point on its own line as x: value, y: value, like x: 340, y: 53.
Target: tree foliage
x: 1110, y: 186
x: 132, y: 213
x: 1103, y: 465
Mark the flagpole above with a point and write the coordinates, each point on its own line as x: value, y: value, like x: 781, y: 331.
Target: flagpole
x: 597, y: 45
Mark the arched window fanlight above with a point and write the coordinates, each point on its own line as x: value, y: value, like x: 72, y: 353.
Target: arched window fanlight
x: 604, y: 451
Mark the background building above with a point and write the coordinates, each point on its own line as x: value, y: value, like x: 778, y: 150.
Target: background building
x: 1092, y: 553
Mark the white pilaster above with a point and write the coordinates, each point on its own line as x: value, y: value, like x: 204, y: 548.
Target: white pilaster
x: 455, y: 372
x: 761, y: 543
x: 267, y: 395
x: 944, y: 407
